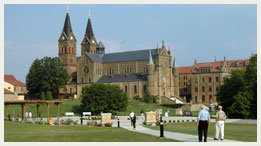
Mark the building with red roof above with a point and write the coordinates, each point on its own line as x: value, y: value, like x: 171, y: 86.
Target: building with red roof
x: 201, y: 82
x: 13, y: 88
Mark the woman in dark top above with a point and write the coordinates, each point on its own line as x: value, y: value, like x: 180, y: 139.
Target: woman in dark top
x: 134, y: 122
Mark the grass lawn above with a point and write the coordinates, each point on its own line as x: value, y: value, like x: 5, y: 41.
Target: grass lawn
x: 239, y: 132
x: 71, y: 105
x: 28, y: 132
x: 137, y: 106
x: 67, y: 106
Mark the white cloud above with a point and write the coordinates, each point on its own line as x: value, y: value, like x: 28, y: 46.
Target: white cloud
x: 111, y: 46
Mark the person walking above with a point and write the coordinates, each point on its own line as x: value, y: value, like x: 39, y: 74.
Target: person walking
x: 220, y: 123
x: 131, y: 117
x: 142, y: 114
x: 134, y: 122
x: 203, y: 122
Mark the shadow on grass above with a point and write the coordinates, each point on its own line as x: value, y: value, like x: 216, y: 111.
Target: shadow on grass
x: 175, y: 106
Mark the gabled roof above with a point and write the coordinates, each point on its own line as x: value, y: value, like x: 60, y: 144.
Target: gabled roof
x: 94, y: 57
x: 12, y: 80
x: 7, y: 91
x: 122, y: 78
x: 238, y: 63
x: 215, y: 66
x: 122, y: 56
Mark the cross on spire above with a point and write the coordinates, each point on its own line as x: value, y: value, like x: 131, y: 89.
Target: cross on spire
x: 67, y: 9
x: 89, y: 14
x: 163, y: 43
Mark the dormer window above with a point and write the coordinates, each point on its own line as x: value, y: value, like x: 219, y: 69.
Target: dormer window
x: 71, y: 37
x: 63, y: 38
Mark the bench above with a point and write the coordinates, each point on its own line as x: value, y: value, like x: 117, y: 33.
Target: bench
x: 69, y: 114
x: 86, y: 113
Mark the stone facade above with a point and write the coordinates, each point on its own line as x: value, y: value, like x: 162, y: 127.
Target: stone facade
x: 13, y: 89
x: 201, y: 82
x: 134, y: 71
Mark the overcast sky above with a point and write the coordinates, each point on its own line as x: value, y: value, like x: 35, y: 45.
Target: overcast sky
x: 191, y: 31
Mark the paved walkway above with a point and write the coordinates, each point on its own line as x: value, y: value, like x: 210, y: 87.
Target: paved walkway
x: 171, y: 135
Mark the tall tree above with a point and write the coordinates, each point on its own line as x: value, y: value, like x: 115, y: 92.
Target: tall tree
x: 46, y: 75
x: 238, y: 94
x: 98, y: 98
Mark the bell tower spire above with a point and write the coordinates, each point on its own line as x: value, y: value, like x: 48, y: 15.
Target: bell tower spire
x: 89, y: 43
x: 67, y: 46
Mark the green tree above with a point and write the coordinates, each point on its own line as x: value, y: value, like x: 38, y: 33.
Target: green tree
x: 98, y: 98
x: 45, y: 75
x: 232, y: 85
x: 238, y: 94
x: 251, y: 85
x: 43, y: 96
x: 148, y: 98
x: 49, y: 95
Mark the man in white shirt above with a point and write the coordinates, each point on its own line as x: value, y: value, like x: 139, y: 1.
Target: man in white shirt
x: 131, y: 116
x: 220, y: 123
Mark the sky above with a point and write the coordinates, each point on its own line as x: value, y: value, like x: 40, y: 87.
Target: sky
x: 200, y: 32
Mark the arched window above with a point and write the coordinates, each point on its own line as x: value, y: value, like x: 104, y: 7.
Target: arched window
x: 203, y: 98
x: 203, y: 89
x: 216, y: 79
x: 135, y: 89
x: 210, y: 98
x: 217, y: 89
x: 210, y: 89
x: 196, y: 89
x: 126, y: 88
x: 209, y: 79
x: 144, y: 88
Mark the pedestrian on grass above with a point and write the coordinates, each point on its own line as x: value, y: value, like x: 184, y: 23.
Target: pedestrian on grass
x: 131, y: 117
x: 26, y: 116
x: 142, y: 114
x: 134, y: 122
x: 220, y: 123
x: 203, y: 122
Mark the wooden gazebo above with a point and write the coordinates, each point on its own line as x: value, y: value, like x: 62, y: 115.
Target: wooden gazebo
x: 23, y: 104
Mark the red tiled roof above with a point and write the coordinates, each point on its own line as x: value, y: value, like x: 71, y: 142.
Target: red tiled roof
x: 215, y: 66
x: 7, y: 91
x: 12, y: 80
x: 186, y: 69
x: 241, y: 62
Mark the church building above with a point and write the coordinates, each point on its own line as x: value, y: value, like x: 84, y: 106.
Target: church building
x: 134, y: 71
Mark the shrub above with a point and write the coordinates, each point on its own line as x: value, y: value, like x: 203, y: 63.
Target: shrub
x: 108, y: 125
x: 49, y: 95
x: 43, y: 96
x: 68, y: 121
x: 147, y: 97
x: 136, y: 97
x: 39, y: 122
x: 105, y: 98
